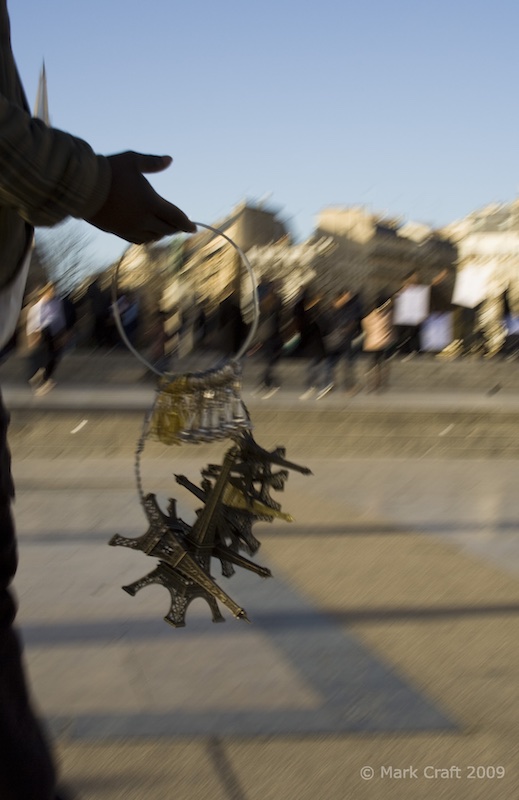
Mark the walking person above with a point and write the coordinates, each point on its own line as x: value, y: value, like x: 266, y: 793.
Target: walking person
x: 311, y: 322
x: 200, y: 327
x: 342, y: 328
x: 71, y: 317
x: 407, y: 337
x: 31, y: 327
x: 99, y: 308
x: 232, y: 329
x: 157, y: 335
x: 47, y: 175
x: 378, y: 338
x: 47, y: 329
x: 130, y: 317
x: 270, y: 339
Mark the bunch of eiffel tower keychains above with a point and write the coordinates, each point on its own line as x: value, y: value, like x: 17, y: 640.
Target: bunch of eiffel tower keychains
x: 207, y: 407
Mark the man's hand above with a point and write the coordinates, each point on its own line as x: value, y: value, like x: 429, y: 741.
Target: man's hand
x: 133, y: 210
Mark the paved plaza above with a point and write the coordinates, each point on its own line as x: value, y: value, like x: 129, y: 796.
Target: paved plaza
x: 381, y: 658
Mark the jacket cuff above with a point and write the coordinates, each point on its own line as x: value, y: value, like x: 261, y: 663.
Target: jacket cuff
x: 99, y: 193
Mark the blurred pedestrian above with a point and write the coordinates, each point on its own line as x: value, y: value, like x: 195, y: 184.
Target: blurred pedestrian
x: 378, y: 339
x: 342, y: 326
x: 270, y: 339
x: 71, y: 317
x: 130, y: 317
x: 311, y: 321
x: 33, y: 337
x: 47, y: 330
x: 99, y: 307
x: 407, y: 337
x: 231, y: 325
x: 158, y: 355
x: 200, y: 327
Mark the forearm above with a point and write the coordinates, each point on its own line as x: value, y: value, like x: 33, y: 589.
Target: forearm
x: 46, y: 174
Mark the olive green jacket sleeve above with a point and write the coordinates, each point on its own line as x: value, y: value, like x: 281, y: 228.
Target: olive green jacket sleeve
x: 45, y: 176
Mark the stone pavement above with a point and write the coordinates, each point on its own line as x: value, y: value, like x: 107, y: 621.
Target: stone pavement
x: 469, y: 424
x: 381, y: 661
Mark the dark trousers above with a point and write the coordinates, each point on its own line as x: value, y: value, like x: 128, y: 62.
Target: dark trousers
x: 101, y: 332
x: 273, y: 348
x: 53, y: 350
x: 26, y: 765
x: 346, y: 354
x: 408, y: 339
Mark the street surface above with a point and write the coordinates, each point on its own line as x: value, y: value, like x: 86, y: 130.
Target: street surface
x: 381, y: 659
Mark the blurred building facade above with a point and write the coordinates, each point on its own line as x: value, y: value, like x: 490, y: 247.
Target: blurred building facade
x: 182, y: 274
x: 374, y: 253
x: 487, y: 244
x: 211, y: 269
x: 350, y: 248
x: 488, y: 240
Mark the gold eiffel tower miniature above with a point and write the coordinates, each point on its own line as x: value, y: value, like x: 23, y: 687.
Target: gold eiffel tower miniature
x: 238, y: 497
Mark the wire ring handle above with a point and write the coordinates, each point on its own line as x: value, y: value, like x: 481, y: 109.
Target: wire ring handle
x: 255, y: 303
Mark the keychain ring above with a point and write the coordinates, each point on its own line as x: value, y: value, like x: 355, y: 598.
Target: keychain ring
x: 255, y: 305
x: 206, y: 407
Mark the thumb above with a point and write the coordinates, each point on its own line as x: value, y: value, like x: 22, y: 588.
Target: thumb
x: 145, y: 163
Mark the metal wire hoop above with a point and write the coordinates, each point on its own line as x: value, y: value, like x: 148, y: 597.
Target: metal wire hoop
x: 255, y: 306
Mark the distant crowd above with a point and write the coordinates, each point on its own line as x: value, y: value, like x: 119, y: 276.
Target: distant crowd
x: 336, y: 333
x: 331, y: 333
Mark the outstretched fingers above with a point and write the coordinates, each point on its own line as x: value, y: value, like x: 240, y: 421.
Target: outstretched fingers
x: 149, y: 163
x: 173, y: 217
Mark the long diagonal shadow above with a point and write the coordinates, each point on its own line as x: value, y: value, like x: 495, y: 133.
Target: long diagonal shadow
x: 361, y: 528
x: 422, y: 613
x: 357, y: 690
x: 114, y: 630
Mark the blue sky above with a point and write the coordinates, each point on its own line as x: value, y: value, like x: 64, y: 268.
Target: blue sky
x: 406, y: 107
